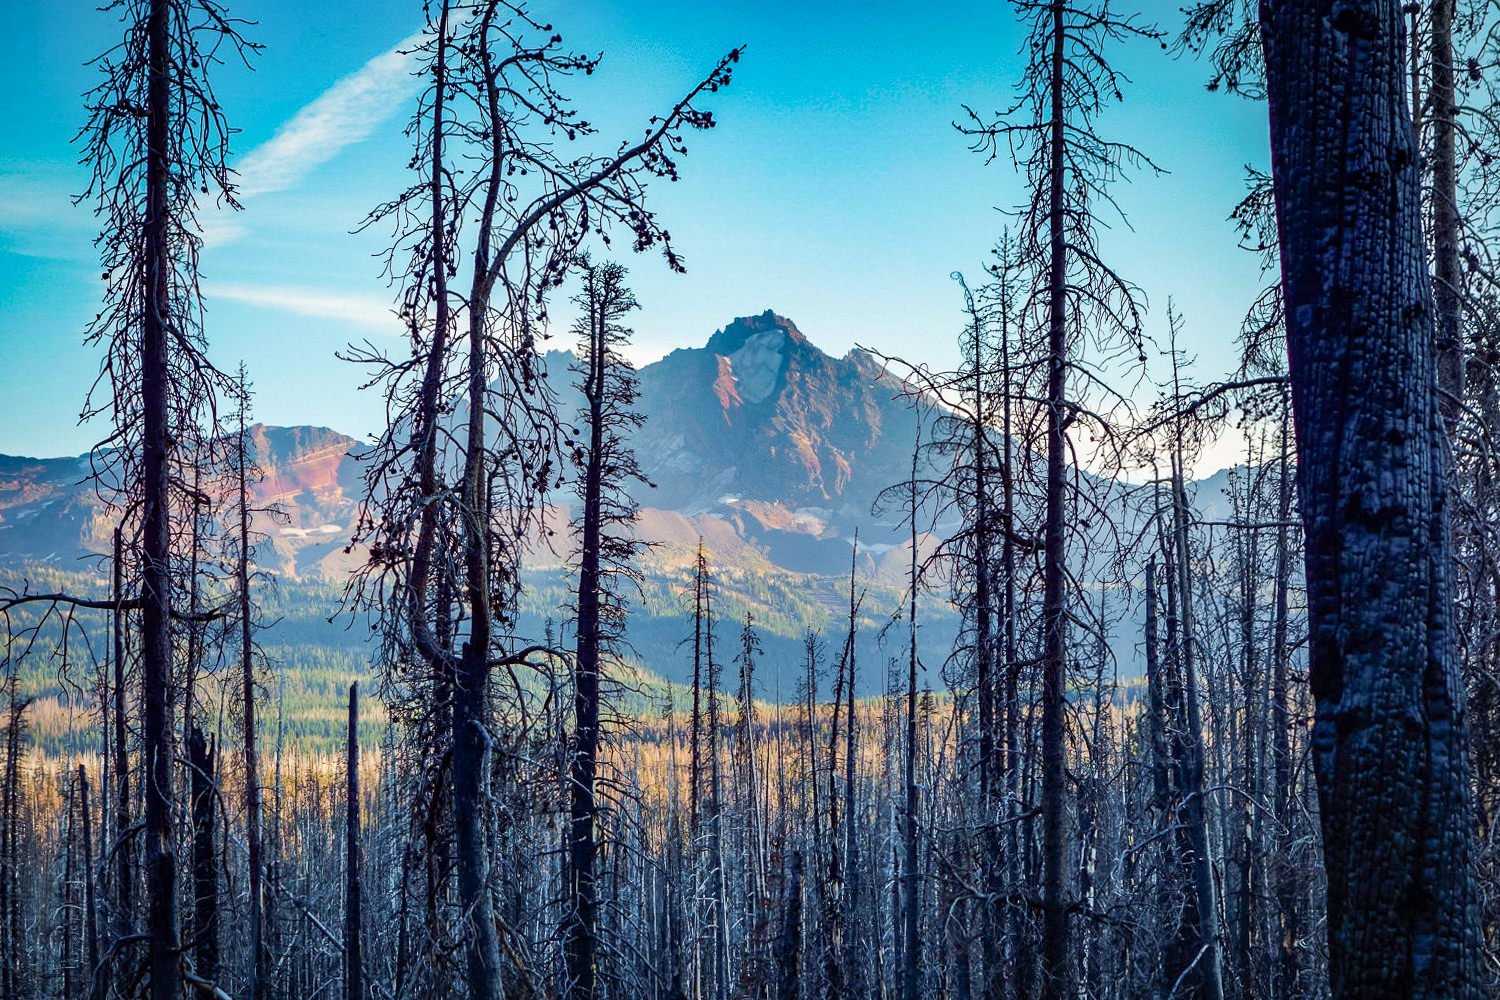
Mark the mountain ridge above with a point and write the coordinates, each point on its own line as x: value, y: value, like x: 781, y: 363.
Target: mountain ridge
x: 758, y: 443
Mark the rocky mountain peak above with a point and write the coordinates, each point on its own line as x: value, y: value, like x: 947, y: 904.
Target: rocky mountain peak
x: 768, y: 328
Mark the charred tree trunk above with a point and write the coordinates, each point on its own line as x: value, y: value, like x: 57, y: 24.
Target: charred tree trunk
x: 853, y: 959
x: 90, y: 903
x: 470, y: 709
x: 910, y: 910
x: 580, y: 925
x: 15, y: 982
x: 1389, y: 738
x: 1018, y: 955
x: 1056, y: 948
x: 1193, y: 809
x: 1285, y: 978
x: 789, y: 945
x: 354, y: 973
x: 124, y: 896
x: 160, y: 862
x: 203, y: 799
x: 471, y: 740
x: 1447, y: 289
x: 258, y: 985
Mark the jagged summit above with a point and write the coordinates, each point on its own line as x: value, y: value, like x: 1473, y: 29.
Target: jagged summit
x: 761, y: 418
x: 768, y: 326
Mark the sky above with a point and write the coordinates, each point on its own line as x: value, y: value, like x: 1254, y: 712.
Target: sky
x: 835, y: 189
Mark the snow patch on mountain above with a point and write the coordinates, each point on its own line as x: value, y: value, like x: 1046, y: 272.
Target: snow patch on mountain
x: 757, y: 365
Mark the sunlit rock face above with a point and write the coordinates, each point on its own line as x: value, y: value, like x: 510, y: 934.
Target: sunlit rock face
x: 762, y: 423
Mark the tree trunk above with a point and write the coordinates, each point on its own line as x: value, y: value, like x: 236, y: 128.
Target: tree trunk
x: 1447, y: 291
x: 203, y: 798
x: 90, y: 904
x: 258, y: 986
x: 354, y: 973
x: 911, y: 917
x: 984, y: 662
x: 1285, y: 981
x: 156, y: 540
x: 789, y: 945
x: 1389, y: 741
x: 853, y: 958
x: 124, y: 896
x: 1056, y: 974
x: 581, y: 916
x: 471, y: 689
x: 1193, y: 808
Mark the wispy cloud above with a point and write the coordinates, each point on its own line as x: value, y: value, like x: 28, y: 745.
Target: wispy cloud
x: 342, y: 115
x: 37, y: 214
x: 362, y: 310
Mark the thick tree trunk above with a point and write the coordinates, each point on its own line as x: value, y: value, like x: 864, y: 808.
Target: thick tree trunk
x: 470, y: 711
x: 1193, y: 809
x: 69, y: 911
x: 1389, y: 737
x: 14, y: 983
x: 789, y: 944
x: 717, y: 888
x: 1018, y: 955
x: 471, y: 739
x: 984, y: 667
x: 124, y: 895
x: 90, y: 903
x: 911, y: 934
x: 853, y: 956
x: 258, y: 987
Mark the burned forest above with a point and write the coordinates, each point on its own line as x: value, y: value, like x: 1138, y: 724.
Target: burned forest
x: 1111, y: 613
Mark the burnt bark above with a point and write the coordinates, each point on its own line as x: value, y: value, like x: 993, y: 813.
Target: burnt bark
x: 354, y: 973
x: 203, y: 797
x: 1056, y: 949
x: 1389, y: 740
x: 160, y: 862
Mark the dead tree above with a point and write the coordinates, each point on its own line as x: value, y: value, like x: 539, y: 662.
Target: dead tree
x: 15, y: 971
x: 607, y: 468
x: 155, y: 141
x: 246, y: 473
x: 90, y: 902
x: 123, y: 900
x: 526, y: 206
x: 911, y: 939
x: 1051, y: 132
x: 354, y: 972
x: 1389, y: 740
x: 203, y: 800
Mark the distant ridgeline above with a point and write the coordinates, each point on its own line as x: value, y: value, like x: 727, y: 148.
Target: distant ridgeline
x: 769, y: 451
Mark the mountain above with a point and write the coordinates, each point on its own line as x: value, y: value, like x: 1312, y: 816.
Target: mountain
x: 761, y: 445
x: 775, y: 419
x: 50, y: 511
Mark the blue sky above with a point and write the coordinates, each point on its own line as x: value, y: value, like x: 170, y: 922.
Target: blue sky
x: 834, y: 190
